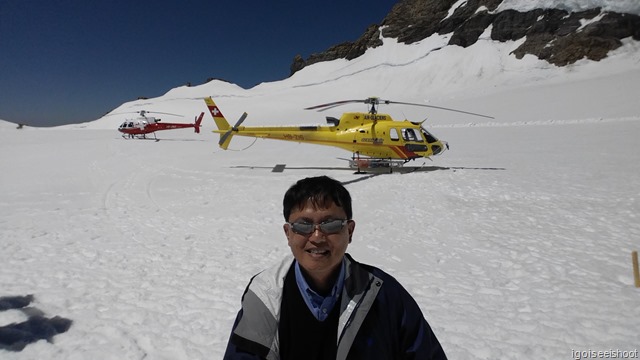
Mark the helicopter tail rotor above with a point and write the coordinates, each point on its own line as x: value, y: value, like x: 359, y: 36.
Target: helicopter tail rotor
x: 225, y: 138
x: 196, y: 125
x: 224, y: 129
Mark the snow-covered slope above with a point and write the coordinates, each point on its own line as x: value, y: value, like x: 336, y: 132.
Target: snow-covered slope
x: 426, y: 72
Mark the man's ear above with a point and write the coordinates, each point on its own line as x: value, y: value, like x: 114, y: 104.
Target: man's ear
x: 351, y: 226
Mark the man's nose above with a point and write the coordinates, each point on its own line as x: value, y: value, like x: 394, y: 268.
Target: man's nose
x: 317, y: 234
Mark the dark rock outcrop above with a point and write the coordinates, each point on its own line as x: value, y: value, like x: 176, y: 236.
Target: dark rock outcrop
x: 554, y: 35
x: 347, y: 50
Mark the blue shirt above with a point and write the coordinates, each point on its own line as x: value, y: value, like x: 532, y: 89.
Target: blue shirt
x: 319, y: 305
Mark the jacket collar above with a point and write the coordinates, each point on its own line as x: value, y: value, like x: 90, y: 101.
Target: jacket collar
x: 262, y: 298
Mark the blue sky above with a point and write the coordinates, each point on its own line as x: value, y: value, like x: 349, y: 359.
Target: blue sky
x: 71, y: 61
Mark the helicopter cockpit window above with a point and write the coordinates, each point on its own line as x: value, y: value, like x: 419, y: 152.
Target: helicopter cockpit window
x: 131, y: 124
x: 430, y: 138
x: 393, y: 134
x: 409, y: 134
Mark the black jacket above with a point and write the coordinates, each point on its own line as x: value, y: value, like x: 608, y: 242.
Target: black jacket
x: 378, y: 318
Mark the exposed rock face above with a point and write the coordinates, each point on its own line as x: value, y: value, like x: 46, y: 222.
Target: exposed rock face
x: 346, y: 50
x: 554, y: 35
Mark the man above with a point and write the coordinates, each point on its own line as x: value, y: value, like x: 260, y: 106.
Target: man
x: 319, y: 303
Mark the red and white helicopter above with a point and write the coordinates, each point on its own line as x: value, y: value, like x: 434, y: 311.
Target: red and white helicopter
x: 139, y: 128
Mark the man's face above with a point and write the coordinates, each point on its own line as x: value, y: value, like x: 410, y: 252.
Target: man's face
x: 319, y: 254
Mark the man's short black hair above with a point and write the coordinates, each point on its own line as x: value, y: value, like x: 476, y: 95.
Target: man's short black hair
x: 321, y: 190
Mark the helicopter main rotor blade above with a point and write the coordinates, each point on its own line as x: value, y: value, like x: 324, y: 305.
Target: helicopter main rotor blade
x: 437, y: 107
x: 377, y: 101
x: 158, y: 112
x: 327, y: 107
x: 369, y: 101
x: 121, y: 113
x: 332, y: 104
x: 143, y: 112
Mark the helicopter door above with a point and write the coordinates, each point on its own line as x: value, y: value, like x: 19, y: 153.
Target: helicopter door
x: 411, y: 137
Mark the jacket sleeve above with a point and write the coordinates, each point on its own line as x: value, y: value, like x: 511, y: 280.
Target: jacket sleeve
x: 240, y: 349
x: 417, y: 339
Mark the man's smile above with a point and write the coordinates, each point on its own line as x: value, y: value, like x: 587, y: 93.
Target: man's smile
x: 318, y: 252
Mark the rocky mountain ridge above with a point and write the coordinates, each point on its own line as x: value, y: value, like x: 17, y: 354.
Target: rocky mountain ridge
x: 554, y: 35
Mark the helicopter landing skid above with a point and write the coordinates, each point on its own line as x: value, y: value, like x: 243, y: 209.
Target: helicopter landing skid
x: 366, y: 165
x: 139, y: 136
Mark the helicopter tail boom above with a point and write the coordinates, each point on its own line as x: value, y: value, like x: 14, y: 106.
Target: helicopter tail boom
x: 224, y: 129
x: 221, y: 123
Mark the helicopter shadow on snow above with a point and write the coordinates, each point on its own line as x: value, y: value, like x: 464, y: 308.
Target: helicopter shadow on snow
x: 366, y: 173
x: 164, y: 139
x: 181, y: 140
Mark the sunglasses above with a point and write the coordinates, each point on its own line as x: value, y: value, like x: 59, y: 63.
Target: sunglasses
x: 327, y: 227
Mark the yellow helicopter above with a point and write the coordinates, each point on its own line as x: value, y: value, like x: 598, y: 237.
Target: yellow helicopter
x: 375, y: 140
